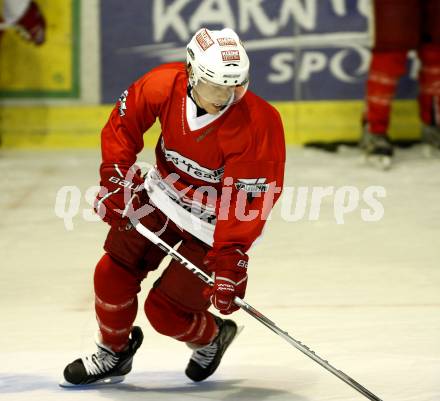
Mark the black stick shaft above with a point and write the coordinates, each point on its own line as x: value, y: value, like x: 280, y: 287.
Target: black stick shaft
x: 255, y: 313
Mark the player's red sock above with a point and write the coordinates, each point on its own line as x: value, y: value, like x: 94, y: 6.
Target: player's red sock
x: 115, y: 302
x: 385, y: 70
x: 170, y: 320
x: 429, y: 84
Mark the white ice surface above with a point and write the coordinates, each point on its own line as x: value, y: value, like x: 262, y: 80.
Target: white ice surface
x: 365, y: 296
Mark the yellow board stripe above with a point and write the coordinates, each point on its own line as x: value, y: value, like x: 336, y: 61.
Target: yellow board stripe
x: 79, y: 126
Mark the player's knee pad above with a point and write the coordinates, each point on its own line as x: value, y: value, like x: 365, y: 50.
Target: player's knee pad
x: 165, y: 317
x: 113, y: 283
x: 170, y: 320
x: 389, y: 63
x: 115, y: 301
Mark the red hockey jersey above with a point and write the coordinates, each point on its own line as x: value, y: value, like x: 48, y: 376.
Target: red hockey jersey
x: 237, y: 155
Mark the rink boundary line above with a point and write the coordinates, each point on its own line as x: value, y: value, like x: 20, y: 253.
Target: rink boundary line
x: 79, y: 126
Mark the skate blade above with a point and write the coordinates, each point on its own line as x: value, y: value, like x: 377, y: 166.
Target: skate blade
x: 381, y: 162
x: 103, y: 382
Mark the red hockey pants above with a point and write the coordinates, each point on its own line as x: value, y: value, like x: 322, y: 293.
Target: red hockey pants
x: 175, y: 306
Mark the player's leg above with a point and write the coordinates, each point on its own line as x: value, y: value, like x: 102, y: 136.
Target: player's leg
x: 27, y: 17
x: 385, y: 69
x: 118, y: 275
x: 177, y: 307
x: 116, y: 288
x: 179, y: 293
x: 392, y: 41
x: 429, y: 77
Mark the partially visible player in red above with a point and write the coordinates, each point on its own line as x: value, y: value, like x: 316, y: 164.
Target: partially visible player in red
x: 400, y: 26
x: 26, y: 17
x: 219, y: 169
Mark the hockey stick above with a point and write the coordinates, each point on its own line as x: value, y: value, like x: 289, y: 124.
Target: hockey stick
x: 253, y: 312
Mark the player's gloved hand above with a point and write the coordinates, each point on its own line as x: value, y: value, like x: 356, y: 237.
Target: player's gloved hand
x: 230, y: 268
x: 121, y: 193
x: 32, y: 25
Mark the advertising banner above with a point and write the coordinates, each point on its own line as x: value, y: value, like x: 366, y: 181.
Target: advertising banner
x: 50, y: 70
x: 300, y: 50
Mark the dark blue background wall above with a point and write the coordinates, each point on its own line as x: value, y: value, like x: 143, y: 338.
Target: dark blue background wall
x: 299, y: 49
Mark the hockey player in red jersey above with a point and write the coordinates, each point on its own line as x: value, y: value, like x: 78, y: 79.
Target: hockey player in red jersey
x: 400, y: 26
x: 219, y: 169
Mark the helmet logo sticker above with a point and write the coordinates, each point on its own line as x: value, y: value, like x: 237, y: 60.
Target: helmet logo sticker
x: 227, y: 42
x: 204, y: 40
x: 231, y: 55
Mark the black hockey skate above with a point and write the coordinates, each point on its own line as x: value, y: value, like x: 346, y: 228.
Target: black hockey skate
x: 378, y: 148
x: 204, y: 361
x: 104, y: 366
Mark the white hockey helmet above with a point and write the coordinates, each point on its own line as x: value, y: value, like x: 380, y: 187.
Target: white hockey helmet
x: 219, y: 66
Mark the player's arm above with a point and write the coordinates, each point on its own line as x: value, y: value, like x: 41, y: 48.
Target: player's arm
x: 252, y: 183
x: 121, y: 141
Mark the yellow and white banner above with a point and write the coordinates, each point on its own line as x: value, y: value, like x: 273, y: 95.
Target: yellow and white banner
x: 49, y: 70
